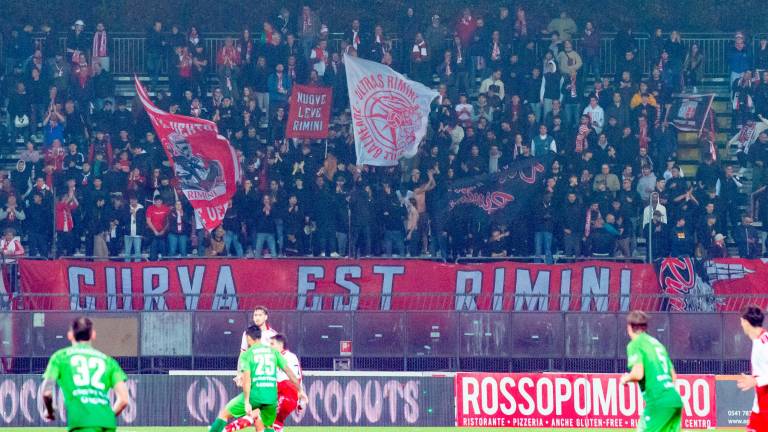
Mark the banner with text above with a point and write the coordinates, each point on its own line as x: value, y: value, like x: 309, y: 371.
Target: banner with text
x: 345, y: 285
x: 195, y: 401
x: 387, y: 284
x: 309, y: 113
x: 570, y: 401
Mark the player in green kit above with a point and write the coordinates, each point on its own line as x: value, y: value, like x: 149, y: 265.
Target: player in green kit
x: 85, y: 376
x: 258, y: 364
x: 649, y: 365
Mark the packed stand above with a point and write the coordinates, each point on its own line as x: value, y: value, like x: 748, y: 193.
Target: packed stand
x: 98, y: 181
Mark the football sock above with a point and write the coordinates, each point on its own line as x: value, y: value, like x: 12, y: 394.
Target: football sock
x: 218, y: 425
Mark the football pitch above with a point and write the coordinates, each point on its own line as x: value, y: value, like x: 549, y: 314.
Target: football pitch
x: 350, y: 429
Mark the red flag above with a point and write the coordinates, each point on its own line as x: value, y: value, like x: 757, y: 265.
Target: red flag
x: 309, y: 113
x: 203, y: 162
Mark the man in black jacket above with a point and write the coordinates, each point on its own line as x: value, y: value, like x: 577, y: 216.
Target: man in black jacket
x: 155, y: 48
x: 656, y: 236
x: 572, y: 224
x: 746, y: 238
x: 38, y: 225
x: 393, y: 213
x: 681, y: 240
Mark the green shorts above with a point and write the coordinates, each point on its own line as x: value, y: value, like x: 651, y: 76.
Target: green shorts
x: 660, y: 419
x: 267, y: 413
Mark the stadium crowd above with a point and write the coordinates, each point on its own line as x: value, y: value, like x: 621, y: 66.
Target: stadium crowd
x: 94, y: 173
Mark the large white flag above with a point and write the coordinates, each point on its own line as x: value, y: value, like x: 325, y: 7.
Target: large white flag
x: 389, y: 112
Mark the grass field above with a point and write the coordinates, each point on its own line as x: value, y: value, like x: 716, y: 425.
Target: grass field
x: 348, y: 429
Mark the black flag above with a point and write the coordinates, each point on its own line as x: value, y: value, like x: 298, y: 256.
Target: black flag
x: 497, y: 197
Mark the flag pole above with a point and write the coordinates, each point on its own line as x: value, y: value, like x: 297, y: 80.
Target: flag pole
x: 326, y: 148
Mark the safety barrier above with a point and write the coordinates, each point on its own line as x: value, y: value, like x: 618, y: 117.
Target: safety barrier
x: 128, y: 51
x: 152, y: 342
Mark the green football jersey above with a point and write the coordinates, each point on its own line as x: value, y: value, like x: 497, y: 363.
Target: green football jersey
x: 262, y: 362
x: 85, y: 376
x: 657, y: 385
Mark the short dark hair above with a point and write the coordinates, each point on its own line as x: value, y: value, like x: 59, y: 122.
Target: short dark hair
x: 82, y: 329
x: 253, y: 332
x: 261, y: 308
x: 281, y: 338
x: 753, y: 315
x: 638, y: 320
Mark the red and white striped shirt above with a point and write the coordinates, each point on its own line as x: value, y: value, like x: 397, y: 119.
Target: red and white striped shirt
x: 293, y: 362
x: 760, y: 372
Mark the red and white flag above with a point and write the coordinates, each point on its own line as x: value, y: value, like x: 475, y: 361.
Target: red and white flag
x: 204, y: 163
x: 389, y: 112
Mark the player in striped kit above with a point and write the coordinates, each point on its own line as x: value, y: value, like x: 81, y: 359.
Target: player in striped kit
x: 287, y: 394
x: 752, y: 318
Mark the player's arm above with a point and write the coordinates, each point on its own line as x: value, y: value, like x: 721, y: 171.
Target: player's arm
x: 48, y: 387
x: 673, y: 373
x: 759, y: 376
x: 635, y: 375
x: 49, y: 384
x: 118, y: 379
x: 121, y: 391
x: 245, y: 373
x: 635, y: 361
x: 247, y: 391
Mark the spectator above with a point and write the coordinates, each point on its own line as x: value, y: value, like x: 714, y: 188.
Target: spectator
x: 718, y: 249
x: 496, y: 246
x: 264, y: 229
x: 739, y: 60
x: 216, y: 244
x: 12, y: 216
x: 681, y: 242
x: 100, y: 47
x: 693, y: 67
x: 157, y: 222
x: 279, y: 85
x: 308, y: 29
x: 596, y: 114
x: 38, y: 213
x: 564, y: 26
x: 591, y: 42
x: 65, y: 224
x: 747, y: 239
x: 656, y: 236
x: 601, y: 242
x: 606, y: 177
x: 10, y: 246
x: 569, y: 60
x: 179, y: 227
x: 544, y: 222
x: 134, y: 228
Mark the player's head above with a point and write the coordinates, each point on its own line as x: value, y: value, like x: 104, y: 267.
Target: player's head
x: 637, y: 322
x: 81, y: 330
x: 752, y: 318
x: 253, y: 334
x: 260, y: 315
x: 279, y: 342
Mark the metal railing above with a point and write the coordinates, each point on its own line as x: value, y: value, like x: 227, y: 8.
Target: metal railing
x: 436, y: 340
x: 128, y: 51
